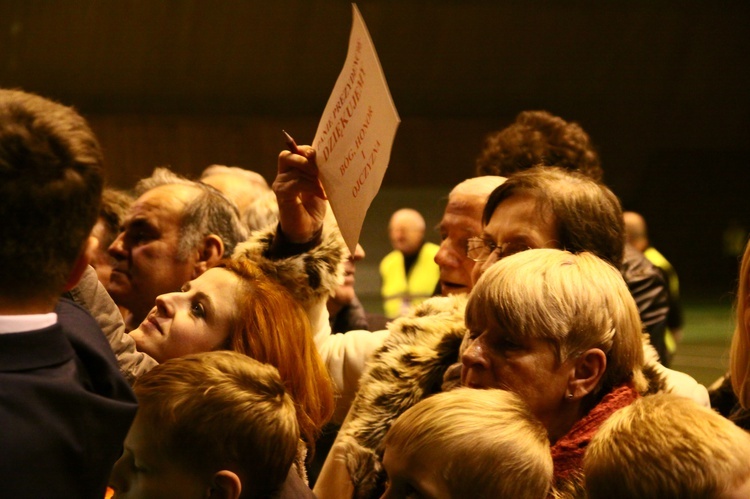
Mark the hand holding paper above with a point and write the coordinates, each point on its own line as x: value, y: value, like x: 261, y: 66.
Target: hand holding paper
x: 300, y: 195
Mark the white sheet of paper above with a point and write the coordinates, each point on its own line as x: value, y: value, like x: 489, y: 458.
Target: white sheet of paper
x: 355, y: 134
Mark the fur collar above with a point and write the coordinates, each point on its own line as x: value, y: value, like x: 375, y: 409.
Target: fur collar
x: 310, y: 276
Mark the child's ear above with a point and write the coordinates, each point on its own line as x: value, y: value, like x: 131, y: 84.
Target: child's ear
x: 225, y: 484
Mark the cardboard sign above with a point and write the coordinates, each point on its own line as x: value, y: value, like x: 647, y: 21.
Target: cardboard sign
x: 355, y: 134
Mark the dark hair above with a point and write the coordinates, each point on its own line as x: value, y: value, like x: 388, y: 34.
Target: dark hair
x: 587, y: 215
x: 50, y: 190
x: 538, y: 137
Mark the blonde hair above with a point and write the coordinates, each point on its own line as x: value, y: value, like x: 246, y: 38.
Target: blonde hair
x: 222, y: 410
x: 574, y: 301
x: 739, y: 353
x: 666, y: 446
x: 485, y: 442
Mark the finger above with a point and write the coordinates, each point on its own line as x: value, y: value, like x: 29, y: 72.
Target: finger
x: 289, y: 187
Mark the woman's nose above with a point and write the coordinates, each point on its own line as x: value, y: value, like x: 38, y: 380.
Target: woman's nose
x: 474, y: 355
x: 165, y: 304
x: 116, y: 480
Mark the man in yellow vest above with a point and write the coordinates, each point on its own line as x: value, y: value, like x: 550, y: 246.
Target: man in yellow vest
x: 409, y: 273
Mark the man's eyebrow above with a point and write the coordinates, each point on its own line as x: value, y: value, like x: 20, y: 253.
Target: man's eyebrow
x: 137, y: 221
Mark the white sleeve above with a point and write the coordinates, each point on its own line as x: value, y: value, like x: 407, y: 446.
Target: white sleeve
x: 345, y: 356
x: 683, y: 385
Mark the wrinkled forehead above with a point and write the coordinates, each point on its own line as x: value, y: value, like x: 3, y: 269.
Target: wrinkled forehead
x: 465, y: 205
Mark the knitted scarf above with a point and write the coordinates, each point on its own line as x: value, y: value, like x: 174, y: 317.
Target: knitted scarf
x: 567, y: 453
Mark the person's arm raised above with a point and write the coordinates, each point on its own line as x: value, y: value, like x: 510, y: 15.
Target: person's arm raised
x: 300, y: 195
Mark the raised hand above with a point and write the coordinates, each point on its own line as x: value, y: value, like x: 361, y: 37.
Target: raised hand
x: 301, y: 198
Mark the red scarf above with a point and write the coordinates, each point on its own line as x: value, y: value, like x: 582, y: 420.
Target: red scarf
x: 567, y: 453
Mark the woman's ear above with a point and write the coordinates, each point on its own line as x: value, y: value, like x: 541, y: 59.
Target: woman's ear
x: 209, y: 254
x: 589, y: 369
x: 225, y: 484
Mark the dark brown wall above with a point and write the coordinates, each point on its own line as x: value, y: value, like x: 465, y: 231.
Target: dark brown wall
x: 661, y: 86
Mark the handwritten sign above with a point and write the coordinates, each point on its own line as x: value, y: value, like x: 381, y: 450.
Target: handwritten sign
x: 355, y: 134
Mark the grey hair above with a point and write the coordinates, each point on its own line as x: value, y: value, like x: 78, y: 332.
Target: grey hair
x: 262, y: 212
x: 210, y: 212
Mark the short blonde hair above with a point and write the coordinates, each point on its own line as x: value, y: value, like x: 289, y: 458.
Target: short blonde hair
x: 666, y: 446
x: 222, y: 410
x: 574, y: 301
x: 489, y: 443
x: 739, y: 353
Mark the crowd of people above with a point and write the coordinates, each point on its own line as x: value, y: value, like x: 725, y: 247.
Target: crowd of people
x: 203, y: 337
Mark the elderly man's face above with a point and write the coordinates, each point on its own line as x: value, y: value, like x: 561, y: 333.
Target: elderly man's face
x: 345, y: 293
x: 406, y: 232
x: 462, y: 219
x: 146, y: 251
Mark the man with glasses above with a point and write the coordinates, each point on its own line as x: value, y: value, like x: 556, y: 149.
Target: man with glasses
x: 543, y: 207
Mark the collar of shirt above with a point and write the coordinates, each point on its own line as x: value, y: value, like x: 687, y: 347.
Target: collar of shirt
x: 25, y: 323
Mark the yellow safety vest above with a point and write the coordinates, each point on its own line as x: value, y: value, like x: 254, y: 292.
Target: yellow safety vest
x: 400, y: 292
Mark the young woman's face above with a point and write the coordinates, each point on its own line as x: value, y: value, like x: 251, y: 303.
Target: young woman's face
x: 197, y: 319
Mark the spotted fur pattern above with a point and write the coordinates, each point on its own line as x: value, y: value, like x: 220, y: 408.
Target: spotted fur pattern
x: 309, y: 276
x: 408, y: 368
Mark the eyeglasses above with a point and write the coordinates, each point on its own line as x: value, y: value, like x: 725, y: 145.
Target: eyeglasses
x: 479, y: 249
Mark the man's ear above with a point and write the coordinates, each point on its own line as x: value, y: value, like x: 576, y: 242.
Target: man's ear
x: 225, y: 484
x: 209, y: 254
x: 81, y: 263
x: 589, y: 369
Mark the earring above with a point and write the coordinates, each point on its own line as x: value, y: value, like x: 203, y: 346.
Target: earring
x: 569, y: 396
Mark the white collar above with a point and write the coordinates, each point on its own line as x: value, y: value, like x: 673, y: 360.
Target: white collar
x: 24, y: 323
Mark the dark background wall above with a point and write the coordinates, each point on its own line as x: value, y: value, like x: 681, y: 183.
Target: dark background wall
x: 661, y: 86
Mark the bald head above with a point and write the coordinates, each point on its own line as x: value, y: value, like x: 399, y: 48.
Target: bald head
x: 461, y: 220
x: 636, y: 231
x: 480, y: 187
x: 406, y: 231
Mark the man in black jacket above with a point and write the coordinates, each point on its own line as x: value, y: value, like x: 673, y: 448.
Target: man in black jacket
x: 64, y: 406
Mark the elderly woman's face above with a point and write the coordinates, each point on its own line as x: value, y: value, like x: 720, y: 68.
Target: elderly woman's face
x: 196, y: 319
x: 516, y: 225
x: 527, y: 367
